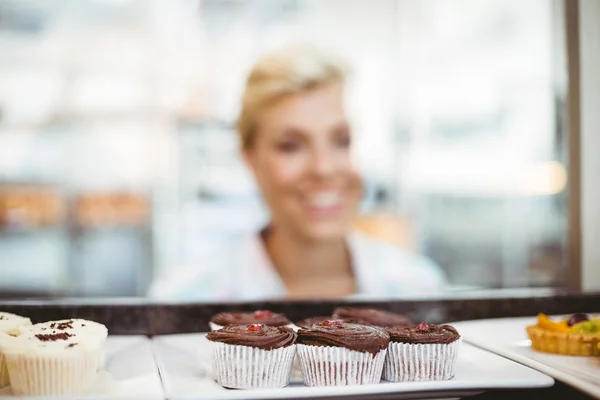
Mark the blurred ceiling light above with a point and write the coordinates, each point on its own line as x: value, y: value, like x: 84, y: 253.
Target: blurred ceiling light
x: 544, y: 178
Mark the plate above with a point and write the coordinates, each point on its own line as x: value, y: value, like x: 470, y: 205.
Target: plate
x: 184, y: 362
x: 129, y: 372
x: 507, y: 337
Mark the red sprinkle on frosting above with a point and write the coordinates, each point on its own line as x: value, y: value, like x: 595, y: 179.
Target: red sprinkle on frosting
x: 422, y: 327
x: 255, y: 328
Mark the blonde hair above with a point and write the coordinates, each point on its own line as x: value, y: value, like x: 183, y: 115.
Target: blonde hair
x: 281, y: 73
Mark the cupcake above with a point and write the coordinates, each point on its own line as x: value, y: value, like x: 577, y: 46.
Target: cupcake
x: 426, y: 352
x: 252, y: 356
x: 370, y: 316
x: 9, y: 325
x: 51, y: 362
x: 335, y: 353
x: 261, y: 317
x: 578, y: 335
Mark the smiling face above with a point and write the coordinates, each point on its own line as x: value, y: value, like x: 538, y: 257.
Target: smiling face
x: 301, y: 160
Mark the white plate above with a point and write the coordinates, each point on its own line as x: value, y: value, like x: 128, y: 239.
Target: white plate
x: 507, y: 337
x: 130, y: 372
x: 184, y: 364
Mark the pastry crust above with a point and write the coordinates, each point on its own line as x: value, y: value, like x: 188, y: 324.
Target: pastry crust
x: 567, y: 343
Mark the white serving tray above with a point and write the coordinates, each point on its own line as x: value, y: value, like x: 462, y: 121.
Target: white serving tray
x: 508, y: 337
x: 184, y: 362
x: 129, y: 373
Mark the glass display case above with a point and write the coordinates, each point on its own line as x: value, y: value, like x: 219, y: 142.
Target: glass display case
x: 119, y: 158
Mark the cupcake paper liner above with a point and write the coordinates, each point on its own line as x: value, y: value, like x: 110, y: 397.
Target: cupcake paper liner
x: 244, y: 367
x: 338, y: 366
x: 573, y: 344
x: 53, y: 374
x: 4, y: 381
x: 420, y: 362
x: 296, y: 374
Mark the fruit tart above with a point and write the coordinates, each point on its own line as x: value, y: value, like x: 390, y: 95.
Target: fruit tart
x: 578, y: 335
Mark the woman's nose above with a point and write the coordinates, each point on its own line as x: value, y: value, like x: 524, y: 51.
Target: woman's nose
x: 322, y: 163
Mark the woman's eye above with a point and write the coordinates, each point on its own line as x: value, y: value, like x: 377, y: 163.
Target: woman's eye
x: 343, y: 141
x: 288, y: 147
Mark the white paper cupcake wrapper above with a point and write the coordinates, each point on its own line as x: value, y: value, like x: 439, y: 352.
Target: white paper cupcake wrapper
x: 4, y: 381
x: 296, y: 374
x: 52, y: 374
x: 420, y: 362
x: 243, y: 367
x: 337, y: 366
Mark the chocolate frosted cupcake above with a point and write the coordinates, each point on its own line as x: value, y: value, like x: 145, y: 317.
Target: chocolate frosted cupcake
x: 253, y: 356
x: 426, y: 352
x: 263, y: 317
x: 335, y: 353
x: 371, y: 316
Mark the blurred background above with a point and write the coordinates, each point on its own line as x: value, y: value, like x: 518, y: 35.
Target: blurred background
x: 119, y: 160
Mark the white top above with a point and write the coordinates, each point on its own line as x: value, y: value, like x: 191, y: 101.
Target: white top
x: 71, y: 326
x: 55, y: 337
x: 245, y: 273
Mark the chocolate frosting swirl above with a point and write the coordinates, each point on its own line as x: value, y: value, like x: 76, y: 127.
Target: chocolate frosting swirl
x: 259, y: 336
x: 305, y: 323
x: 372, y: 316
x: 264, y: 317
x: 366, y: 339
x: 424, y: 334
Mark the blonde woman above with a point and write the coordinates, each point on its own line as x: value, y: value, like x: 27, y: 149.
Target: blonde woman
x: 296, y: 140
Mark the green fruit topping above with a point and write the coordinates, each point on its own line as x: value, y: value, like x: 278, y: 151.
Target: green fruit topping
x: 591, y: 326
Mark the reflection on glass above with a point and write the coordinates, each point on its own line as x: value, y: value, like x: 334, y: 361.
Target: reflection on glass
x: 119, y: 160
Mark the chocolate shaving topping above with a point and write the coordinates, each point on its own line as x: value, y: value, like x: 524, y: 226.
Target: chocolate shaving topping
x: 62, y: 326
x: 1, y: 317
x: 53, y: 337
x: 72, y: 345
